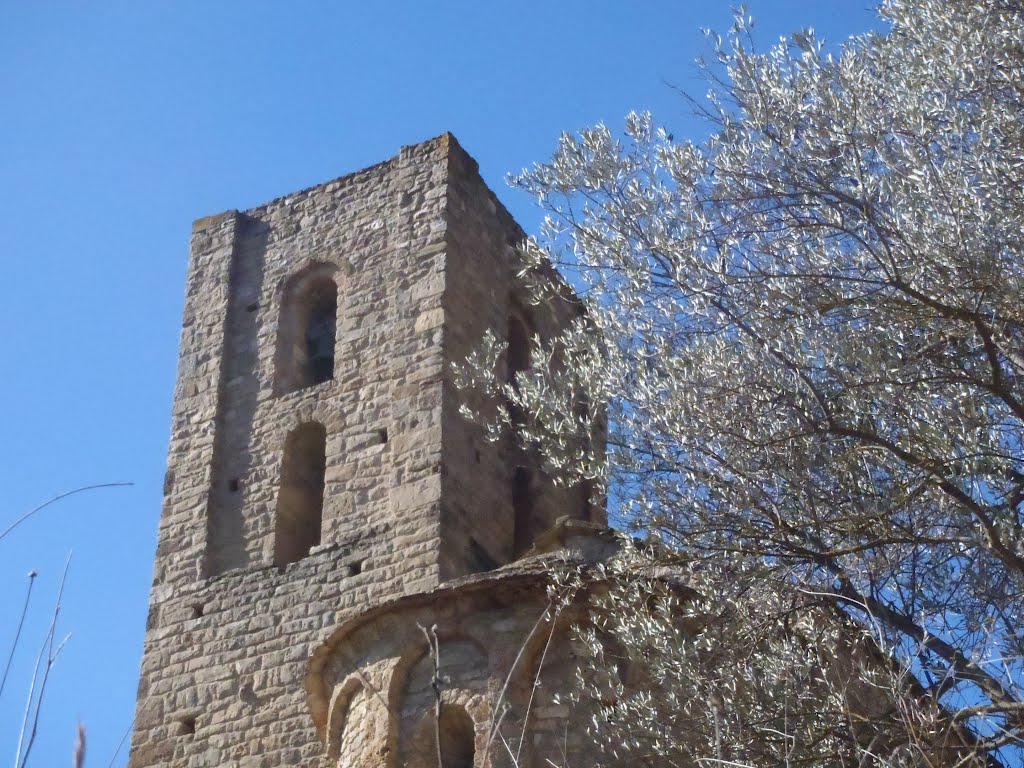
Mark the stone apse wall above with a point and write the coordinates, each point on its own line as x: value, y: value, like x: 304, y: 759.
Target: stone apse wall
x: 323, y: 496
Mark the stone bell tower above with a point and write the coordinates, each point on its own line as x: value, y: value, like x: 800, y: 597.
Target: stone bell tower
x: 319, y: 469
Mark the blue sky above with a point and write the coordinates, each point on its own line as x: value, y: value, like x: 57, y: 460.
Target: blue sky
x: 123, y: 121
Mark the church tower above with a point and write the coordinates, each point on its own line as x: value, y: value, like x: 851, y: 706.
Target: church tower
x: 323, y: 495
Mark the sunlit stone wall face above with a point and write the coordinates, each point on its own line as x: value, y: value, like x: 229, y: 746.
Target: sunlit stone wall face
x: 266, y: 543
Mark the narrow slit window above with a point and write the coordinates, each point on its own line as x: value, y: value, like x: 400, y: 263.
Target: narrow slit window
x: 518, y: 355
x: 457, y: 736
x: 522, y: 510
x: 300, y: 498
x: 517, y: 360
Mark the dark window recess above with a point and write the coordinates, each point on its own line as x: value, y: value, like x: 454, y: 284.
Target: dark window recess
x: 522, y: 509
x: 517, y: 361
x: 586, y: 509
x: 307, y: 331
x: 186, y: 725
x: 518, y: 356
x: 234, y: 484
x: 457, y: 735
x: 480, y: 559
x: 300, y: 498
x: 382, y: 435
x: 320, y: 336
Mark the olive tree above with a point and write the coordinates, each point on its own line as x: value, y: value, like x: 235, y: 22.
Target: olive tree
x: 806, y: 334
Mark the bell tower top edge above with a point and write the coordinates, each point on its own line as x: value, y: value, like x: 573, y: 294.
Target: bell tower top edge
x: 314, y: 410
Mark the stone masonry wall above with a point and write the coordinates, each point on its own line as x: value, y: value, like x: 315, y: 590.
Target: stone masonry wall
x: 504, y: 657
x: 420, y: 252
x: 228, y: 634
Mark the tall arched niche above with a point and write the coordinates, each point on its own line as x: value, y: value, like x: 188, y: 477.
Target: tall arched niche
x: 307, y: 330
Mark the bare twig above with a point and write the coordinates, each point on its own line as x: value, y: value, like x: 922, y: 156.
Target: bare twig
x: 536, y: 682
x: 125, y: 735
x: 17, y: 634
x: 508, y: 678
x: 436, y: 683
x: 367, y: 685
x: 56, y: 498
x: 51, y: 654
x: 79, y: 753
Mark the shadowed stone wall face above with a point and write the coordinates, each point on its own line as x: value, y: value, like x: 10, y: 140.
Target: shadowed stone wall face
x: 421, y: 256
x: 482, y: 293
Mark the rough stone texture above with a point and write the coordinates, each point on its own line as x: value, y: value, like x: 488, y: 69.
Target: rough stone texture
x: 501, y: 649
x: 422, y: 256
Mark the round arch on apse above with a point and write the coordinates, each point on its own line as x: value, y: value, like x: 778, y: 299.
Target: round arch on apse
x: 411, y: 657
x: 457, y: 730
x: 544, y: 651
x: 410, y: 608
x: 538, y: 647
x: 338, y: 714
x: 400, y: 677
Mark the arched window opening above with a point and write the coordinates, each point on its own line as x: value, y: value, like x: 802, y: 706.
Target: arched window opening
x: 307, y: 331
x: 457, y: 737
x: 300, y: 499
x: 517, y: 359
x: 522, y: 510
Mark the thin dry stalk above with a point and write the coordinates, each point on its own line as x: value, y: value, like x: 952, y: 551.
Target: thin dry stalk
x: 79, y: 753
x: 436, y: 683
x: 51, y: 653
x: 508, y: 678
x: 536, y: 683
x: 126, y: 734
x: 17, y: 634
